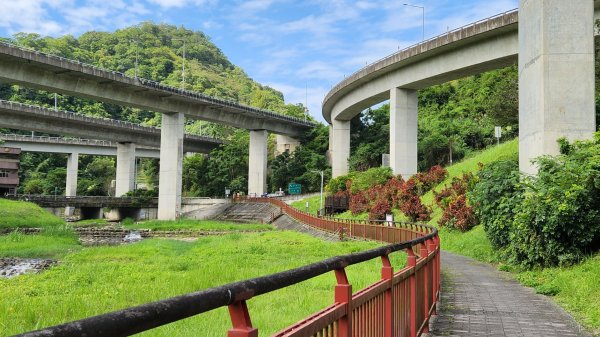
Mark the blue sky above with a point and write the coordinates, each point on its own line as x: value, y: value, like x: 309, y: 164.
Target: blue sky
x: 293, y: 46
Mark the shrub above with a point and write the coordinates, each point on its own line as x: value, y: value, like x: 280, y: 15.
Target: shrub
x: 558, y: 220
x: 414, y: 209
x: 495, y: 198
x: 426, y: 181
x: 362, y: 181
x: 359, y: 203
x: 456, y: 210
x: 380, y: 208
x: 459, y: 214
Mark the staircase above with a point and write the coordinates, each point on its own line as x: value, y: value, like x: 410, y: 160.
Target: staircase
x: 250, y: 212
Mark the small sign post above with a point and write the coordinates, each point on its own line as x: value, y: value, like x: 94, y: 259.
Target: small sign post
x: 498, y: 131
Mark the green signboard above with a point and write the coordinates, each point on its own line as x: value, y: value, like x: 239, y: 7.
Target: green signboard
x: 294, y: 188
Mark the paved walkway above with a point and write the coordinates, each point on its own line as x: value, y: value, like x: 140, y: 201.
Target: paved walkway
x: 478, y: 300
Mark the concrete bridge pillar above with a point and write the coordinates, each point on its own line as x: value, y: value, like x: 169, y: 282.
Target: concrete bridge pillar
x: 125, y: 168
x: 171, y: 166
x: 329, y: 149
x: 403, y: 131
x: 71, y: 188
x: 340, y: 147
x: 285, y: 143
x: 556, y: 76
x: 257, y: 163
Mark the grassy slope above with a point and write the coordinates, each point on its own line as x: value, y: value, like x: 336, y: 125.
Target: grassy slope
x: 100, y: 279
x: 204, y: 225
x: 313, y: 204
x: 19, y: 214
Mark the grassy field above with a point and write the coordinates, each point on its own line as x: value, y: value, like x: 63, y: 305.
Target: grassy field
x: 19, y: 214
x: 198, y: 225
x: 94, y: 280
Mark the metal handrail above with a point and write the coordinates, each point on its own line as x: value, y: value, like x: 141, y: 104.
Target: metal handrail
x: 160, y: 86
x: 447, y: 34
x: 151, y: 315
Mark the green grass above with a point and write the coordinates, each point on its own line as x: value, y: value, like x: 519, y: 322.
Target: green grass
x: 575, y: 288
x: 197, y: 225
x: 95, y: 280
x: 313, y: 204
x: 90, y: 223
x: 473, y: 244
x: 20, y: 214
x: 52, y: 243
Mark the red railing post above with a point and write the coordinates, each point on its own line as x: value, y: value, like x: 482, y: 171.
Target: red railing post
x: 387, y: 273
x: 240, y: 318
x: 438, y: 266
x: 426, y: 268
x: 434, y: 268
x: 411, y: 261
x: 343, y: 295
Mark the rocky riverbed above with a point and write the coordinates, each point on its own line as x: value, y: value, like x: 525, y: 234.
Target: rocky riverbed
x: 11, y: 266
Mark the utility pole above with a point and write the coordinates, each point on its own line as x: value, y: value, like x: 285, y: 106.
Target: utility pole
x: 182, y: 65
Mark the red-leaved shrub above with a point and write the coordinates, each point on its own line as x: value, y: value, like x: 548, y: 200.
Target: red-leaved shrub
x: 459, y: 214
x: 454, y: 204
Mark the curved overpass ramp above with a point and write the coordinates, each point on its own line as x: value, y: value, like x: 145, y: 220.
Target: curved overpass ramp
x: 555, y: 32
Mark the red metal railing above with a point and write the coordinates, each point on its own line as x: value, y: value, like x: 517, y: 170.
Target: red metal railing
x: 398, y: 305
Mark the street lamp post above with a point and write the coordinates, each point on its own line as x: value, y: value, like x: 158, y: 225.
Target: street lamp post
x: 182, y: 65
x: 321, y: 198
x: 423, y: 10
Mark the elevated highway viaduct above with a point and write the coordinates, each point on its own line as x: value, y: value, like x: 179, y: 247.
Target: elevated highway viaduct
x: 553, y: 43
x: 121, y: 139
x: 57, y: 74
x: 73, y: 147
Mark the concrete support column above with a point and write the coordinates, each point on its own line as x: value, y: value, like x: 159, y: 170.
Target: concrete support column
x: 340, y: 148
x: 556, y: 76
x: 125, y: 168
x: 71, y: 188
x: 171, y: 166
x: 285, y: 143
x: 257, y: 163
x: 329, y: 149
x: 403, y: 131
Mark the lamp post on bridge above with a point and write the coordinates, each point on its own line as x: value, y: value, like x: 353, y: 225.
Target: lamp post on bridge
x: 423, y: 10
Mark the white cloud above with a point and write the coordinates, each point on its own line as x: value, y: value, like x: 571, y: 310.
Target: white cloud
x: 168, y: 4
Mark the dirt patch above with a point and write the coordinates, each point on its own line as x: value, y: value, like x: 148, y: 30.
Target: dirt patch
x: 11, y: 267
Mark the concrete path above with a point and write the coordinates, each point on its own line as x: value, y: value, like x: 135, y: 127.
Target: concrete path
x: 478, y: 300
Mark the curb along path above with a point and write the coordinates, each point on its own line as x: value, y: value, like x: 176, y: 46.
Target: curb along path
x: 478, y: 300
